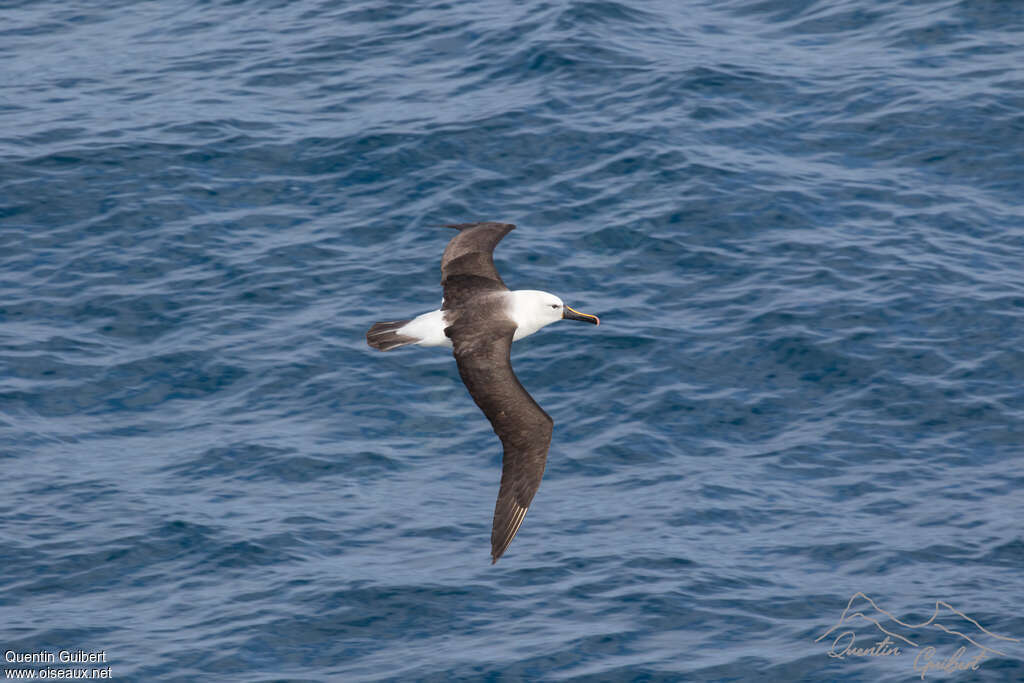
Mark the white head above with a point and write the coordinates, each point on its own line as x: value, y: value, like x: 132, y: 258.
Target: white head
x: 532, y: 310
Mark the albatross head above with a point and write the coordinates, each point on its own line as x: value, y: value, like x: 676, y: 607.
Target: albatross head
x: 532, y: 310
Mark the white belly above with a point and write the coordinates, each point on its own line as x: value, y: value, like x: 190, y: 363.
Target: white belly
x: 428, y: 328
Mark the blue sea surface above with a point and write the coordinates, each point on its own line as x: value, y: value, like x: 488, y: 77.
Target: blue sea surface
x: 802, y: 225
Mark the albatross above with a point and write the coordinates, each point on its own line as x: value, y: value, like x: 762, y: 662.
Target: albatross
x: 479, y: 319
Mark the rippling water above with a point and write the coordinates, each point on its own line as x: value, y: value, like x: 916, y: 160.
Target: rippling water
x: 800, y: 222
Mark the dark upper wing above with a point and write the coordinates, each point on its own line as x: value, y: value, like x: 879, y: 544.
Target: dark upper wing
x: 522, y: 425
x: 468, y: 256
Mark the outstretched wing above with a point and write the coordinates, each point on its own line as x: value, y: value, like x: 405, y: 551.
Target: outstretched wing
x: 467, y: 267
x: 483, y: 357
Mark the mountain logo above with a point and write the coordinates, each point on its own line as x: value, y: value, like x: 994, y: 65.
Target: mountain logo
x: 899, y: 638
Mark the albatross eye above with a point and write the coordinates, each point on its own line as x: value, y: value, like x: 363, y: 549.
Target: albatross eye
x: 554, y: 305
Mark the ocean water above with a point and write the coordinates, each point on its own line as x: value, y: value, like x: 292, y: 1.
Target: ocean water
x: 802, y: 225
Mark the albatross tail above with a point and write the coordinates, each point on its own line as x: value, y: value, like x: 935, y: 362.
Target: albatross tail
x: 425, y: 330
x: 385, y: 336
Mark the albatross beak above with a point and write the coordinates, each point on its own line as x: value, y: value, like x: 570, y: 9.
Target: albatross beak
x: 570, y: 314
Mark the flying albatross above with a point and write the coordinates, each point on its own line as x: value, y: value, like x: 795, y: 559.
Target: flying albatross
x: 479, y: 319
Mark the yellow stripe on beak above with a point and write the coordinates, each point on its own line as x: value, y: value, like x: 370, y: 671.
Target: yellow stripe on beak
x: 584, y: 317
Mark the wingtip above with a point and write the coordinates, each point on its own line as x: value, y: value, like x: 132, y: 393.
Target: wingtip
x: 496, y: 553
x: 464, y: 226
x: 510, y: 527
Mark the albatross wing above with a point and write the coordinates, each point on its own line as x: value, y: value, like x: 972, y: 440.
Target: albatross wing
x: 483, y: 357
x: 468, y: 262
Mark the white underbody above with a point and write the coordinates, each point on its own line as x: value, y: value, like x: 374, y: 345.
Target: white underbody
x: 428, y: 328
x: 529, y: 309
